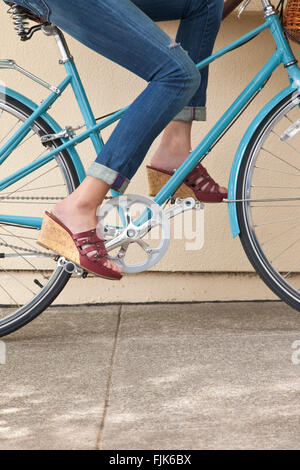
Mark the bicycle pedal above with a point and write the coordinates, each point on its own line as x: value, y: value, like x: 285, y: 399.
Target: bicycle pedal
x: 72, y: 268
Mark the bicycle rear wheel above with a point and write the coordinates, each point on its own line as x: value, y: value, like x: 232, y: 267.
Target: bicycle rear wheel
x: 269, y: 185
x: 30, y: 277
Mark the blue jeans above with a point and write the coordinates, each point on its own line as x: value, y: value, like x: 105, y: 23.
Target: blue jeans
x: 125, y: 32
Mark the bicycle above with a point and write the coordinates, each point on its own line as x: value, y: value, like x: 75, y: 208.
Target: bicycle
x: 29, y: 281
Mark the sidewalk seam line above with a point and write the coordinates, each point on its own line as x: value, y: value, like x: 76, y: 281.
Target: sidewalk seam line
x: 109, y: 382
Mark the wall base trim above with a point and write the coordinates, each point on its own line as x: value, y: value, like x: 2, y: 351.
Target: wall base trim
x: 167, y: 287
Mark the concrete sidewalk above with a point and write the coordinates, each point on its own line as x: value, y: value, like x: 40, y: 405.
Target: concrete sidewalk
x: 189, y: 376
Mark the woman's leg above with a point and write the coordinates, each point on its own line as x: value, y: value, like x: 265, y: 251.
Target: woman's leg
x: 120, y: 31
x: 199, y: 24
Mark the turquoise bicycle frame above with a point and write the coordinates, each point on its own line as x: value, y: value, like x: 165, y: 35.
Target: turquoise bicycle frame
x: 282, y: 55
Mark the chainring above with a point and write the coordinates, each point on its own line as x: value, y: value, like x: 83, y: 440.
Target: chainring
x: 133, y: 231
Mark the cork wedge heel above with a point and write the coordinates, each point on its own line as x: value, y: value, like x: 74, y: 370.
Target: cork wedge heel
x: 157, y: 179
x: 55, y: 238
x: 85, y: 249
x: 198, y: 184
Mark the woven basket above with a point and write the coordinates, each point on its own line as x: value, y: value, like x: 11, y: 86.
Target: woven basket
x: 291, y: 18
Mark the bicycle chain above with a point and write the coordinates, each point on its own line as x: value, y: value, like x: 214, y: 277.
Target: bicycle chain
x: 22, y: 198
x: 33, y: 252
x: 31, y: 198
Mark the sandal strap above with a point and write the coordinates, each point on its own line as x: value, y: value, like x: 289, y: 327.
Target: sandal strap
x: 87, y: 234
x: 100, y: 252
x: 89, y: 242
x: 207, y: 182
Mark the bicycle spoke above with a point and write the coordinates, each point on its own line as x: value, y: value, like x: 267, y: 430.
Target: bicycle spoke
x: 19, y: 254
x: 273, y: 187
x: 288, y: 274
x: 41, y: 154
x: 29, y: 182
x: 19, y: 282
x: 10, y: 131
x: 41, y: 188
x: 14, y: 300
x: 27, y: 139
x: 281, y: 159
x: 280, y: 235
x: 292, y: 122
x: 285, y: 250
x: 276, y: 222
x: 24, y: 257
x: 19, y: 238
x: 277, y: 171
x: 288, y: 143
x: 14, y: 236
x: 274, y: 205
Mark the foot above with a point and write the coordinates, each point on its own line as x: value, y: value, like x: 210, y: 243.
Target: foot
x: 171, y: 153
x: 79, y: 218
x: 168, y: 161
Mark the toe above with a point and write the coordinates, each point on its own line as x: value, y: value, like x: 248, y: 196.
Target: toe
x: 110, y: 265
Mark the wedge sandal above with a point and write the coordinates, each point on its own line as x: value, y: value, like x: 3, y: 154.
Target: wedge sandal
x: 198, y: 184
x: 85, y: 249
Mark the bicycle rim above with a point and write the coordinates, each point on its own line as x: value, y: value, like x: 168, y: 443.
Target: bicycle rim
x: 269, y: 181
x: 30, y: 278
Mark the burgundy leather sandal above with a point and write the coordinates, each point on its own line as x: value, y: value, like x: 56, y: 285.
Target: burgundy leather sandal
x: 198, y: 184
x: 85, y: 249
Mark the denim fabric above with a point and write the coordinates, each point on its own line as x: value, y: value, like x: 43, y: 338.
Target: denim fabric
x: 125, y: 32
x: 39, y: 7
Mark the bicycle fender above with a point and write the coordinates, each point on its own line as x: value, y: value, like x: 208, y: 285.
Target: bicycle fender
x: 236, y: 164
x: 52, y: 123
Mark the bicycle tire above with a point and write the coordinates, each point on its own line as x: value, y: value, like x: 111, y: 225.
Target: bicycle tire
x: 275, y: 280
x: 59, y: 277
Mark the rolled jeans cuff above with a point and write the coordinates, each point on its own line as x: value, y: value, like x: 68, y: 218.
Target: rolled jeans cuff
x: 114, y: 179
x: 191, y: 113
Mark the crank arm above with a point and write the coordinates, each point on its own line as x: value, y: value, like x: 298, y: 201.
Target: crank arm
x: 183, y: 205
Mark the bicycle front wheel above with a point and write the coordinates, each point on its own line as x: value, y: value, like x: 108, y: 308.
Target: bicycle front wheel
x: 30, y: 277
x: 269, y: 210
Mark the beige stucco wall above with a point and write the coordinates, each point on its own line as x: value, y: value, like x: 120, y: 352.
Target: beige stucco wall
x: 182, y: 274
